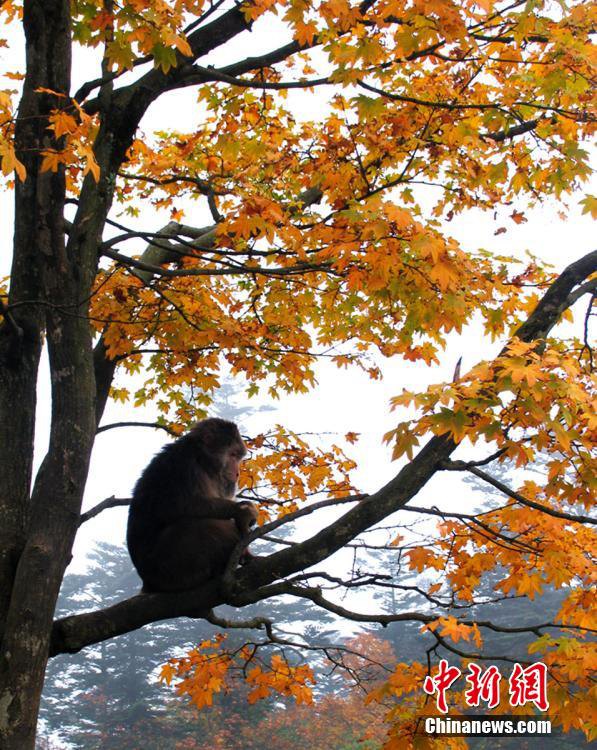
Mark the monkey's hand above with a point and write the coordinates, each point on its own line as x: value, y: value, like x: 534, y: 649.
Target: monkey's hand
x: 245, y: 517
x: 247, y: 556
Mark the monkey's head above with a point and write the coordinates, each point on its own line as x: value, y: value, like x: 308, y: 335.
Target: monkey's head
x: 220, y: 452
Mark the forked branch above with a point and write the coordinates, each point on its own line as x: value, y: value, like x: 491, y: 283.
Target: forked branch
x: 74, y: 633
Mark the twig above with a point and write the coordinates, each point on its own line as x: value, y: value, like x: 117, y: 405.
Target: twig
x: 110, y: 502
x: 155, y: 425
x: 462, y: 466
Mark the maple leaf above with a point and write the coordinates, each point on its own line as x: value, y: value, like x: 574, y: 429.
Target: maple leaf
x: 530, y: 585
x: 589, y: 204
x: 120, y: 54
x: 445, y: 274
x: 52, y: 160
x: 91, y: 165
x: 518, y: 217
x: 454, y: 422
x: 10, y: 162
x: 62, y: 123
x: 305, y: 32
x: 451, y: 628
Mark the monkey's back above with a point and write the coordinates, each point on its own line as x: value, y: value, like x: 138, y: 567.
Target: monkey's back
x: 166, y: 488
x: 182, y: 524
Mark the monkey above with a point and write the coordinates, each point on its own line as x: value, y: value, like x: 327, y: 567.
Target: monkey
x: 183, y: 521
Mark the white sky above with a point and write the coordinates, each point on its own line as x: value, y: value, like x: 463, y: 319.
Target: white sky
x: 344, y: 400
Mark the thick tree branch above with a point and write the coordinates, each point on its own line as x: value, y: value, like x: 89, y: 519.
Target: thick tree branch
x: 557, y: 299
x: 503, y: 135
x: 76, y: 632
x: 253, y: 623
x: 137, y: 96
x: 589, y: 288
x: 71, y: 634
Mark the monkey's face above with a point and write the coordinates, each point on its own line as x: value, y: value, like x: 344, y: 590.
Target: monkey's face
x: 230, y: 472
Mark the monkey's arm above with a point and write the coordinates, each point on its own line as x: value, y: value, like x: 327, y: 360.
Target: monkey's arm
x: 243, y: 513
x: 212, y: 507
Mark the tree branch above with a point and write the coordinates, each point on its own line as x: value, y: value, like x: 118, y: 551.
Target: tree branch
x: 462, y: 466
x: 154, y: 425
x: 75, y: 632
x: 140, y: 94
x: 109, y: 502
x: 589, y: 288
x: 315, y: 595
x: 524, y: 127
x: 71, y: 634
x: 254, y: 623
x: 239, y: 270
x: 557, y: 298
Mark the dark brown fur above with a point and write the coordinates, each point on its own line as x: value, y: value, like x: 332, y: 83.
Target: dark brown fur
x: 183, y: 522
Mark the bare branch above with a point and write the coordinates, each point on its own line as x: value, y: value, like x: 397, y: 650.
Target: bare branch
x: 110, y: 502
x: 154, y: 425
x: 254, y: 623
x: 462, y: 466
x: 315, y: 595
x: 237, y: 270
x: 485, y: 461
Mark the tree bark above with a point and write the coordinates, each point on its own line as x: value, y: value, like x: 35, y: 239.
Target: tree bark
x: 50, y: 286
x: 49, y: 289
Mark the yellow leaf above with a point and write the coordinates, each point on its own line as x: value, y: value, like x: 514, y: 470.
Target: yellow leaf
x: 445, y: 274
x: 530, y: 585
x: 183, y: 46
x: 589, y: 204
x: 10, y: 163
x: 52, y: 160
x: 91, y: 164
x: 62, y: 123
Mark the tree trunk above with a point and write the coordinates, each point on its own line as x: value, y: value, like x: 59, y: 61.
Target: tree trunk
x: 49, y: 290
